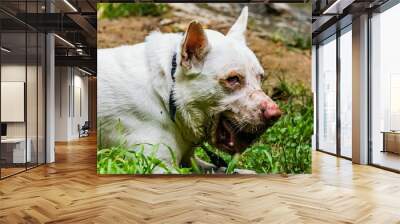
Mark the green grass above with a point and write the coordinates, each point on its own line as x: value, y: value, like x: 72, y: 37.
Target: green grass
x: 116, y: 10
x: 121, y: 159
x: 283, y: 148
x: 292, y: 39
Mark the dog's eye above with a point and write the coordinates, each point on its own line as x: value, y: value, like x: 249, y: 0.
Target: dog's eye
x: 232, y: 80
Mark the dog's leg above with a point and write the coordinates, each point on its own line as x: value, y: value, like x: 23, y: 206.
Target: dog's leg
x: 170, y: 159
x: 215, y: 159
x: 205, y: 166
x: 218, y: 164
x: 162, y: 145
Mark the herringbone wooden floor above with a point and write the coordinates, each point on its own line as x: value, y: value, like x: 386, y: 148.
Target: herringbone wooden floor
x: 70, y: 191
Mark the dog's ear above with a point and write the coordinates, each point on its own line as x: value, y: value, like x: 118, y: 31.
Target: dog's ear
x: 238, y: 29
x: 194, y: 46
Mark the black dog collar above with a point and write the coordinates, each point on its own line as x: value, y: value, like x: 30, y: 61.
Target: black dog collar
x: 172, y: 102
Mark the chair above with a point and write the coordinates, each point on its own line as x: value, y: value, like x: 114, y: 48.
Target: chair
x: 84, y: 130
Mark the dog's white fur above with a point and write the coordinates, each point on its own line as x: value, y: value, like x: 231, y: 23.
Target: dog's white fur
x: 135, y: 83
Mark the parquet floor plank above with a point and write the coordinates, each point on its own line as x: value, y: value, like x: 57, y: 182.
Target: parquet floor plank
x: 70, y: 191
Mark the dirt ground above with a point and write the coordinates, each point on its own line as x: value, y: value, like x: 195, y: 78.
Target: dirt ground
x: 277, y: 59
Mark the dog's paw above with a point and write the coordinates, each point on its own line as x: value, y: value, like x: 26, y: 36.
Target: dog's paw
x: 244, y: 171
x: 205, y: 166
x: 236, y: 171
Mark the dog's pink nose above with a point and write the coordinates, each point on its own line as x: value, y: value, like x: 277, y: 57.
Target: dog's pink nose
x: 270, y: 110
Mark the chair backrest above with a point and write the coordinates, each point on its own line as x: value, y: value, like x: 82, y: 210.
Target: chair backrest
x: 86, y: 125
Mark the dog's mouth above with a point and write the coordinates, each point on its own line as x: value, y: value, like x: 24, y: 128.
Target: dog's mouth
x: 231, y: 139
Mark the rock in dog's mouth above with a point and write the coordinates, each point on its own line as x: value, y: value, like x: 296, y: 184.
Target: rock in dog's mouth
x: 231, y: 139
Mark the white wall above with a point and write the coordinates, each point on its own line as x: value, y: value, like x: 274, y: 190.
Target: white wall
x: 79, y: 117
x: 62, y: 81
x: 70, y: 83
x: 12, y: 73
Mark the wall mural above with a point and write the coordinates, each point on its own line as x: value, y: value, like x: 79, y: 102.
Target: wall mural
x: 204, y: 88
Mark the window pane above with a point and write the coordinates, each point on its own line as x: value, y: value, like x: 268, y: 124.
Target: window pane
x: 14, y: 153
x: 346, y: 93
x: 31, y: 97
x: 327, y: 96
x: 41, y: 98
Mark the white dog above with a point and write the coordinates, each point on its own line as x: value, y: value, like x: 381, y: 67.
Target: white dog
x: 183, y: 89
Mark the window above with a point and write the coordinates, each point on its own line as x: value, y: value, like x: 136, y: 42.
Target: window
x: 385, y: 89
